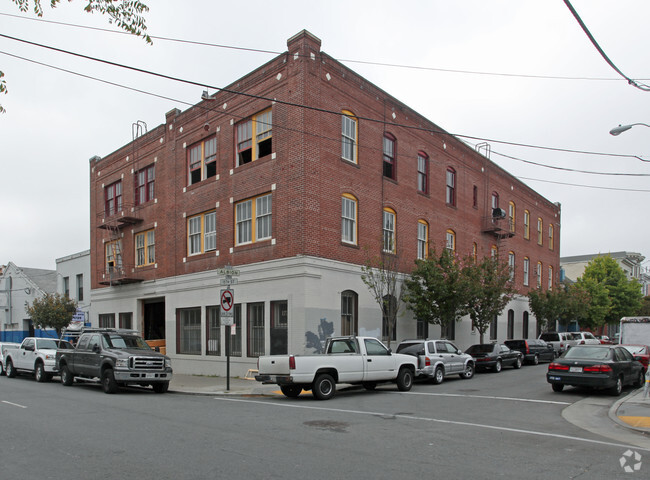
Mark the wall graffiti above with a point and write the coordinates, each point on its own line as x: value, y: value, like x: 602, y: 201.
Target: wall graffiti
x: 317, y: 341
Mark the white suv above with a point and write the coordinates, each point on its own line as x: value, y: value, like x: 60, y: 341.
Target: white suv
x: 585, y: 338
x: 438, y: 359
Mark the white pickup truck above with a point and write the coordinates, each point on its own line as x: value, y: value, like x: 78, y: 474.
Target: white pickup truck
x: 352, y: 360
x: 34, y: 355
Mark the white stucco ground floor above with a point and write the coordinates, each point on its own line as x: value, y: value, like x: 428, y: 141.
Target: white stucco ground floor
x: 280, y: 306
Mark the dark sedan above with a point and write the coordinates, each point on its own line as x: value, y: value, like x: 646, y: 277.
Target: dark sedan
x: 595, y: 366
x: 494, y: 356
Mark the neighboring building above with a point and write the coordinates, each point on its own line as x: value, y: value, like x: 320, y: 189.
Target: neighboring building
x: 73, y: 280
x: 19, y: 287
x: 295, y: 175
x: 630, y: 262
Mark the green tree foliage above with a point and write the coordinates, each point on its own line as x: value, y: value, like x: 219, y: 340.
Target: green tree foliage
x: 438, y: 290
x: 491, y: 288
x: 53, y: 310
x: 644, y: 310
x: 613, y: 295
x: 565, y: 303
x: 126, y: 14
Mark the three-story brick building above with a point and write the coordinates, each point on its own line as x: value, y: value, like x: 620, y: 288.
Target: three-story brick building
x: 296, y: 174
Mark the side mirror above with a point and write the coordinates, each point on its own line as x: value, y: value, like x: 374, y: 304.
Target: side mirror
x: 459, y: 352
x: 29, y: 348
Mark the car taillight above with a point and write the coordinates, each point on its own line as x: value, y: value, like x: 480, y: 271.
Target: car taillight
x: 582, y: 342
x: 427, y: 362
x: 558, y: 366
x: 527, y: 348
x: 598, y: 369
x: 292, y: 362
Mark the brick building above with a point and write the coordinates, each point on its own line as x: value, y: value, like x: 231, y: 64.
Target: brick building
x: 294, y: 174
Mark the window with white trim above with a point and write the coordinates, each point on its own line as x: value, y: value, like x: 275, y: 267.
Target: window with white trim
x: 202, y: 233
x: 349, y: 219
x: 526, y: 224
x: 511, y: 264
x: 540, y: 231
x: 253, y: 220
x: 349, y: 136
x: 539, y: 274
x: 423, y: 172
x: 423, y: 239
x: 390, y: 159
x: 526, y: 270
x: 389, y: 230
x: 450, y: 240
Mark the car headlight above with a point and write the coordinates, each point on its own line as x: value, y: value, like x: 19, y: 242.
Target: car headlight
x: 50, y: 356
x: 122, y: 363
x: 168, y: 363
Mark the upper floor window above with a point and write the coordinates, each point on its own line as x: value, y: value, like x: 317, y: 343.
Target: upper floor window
x: 113, y: 255
x: 511, y: 216
x: 389, y: 230
x: 511, y: 264
x: 145, y: 248
x: 494, y: 251
x: 550, y: 236
x: 539, y: 274
x: 66, y: 286
x: 80, y: 287
x: 495, y: 200
x: 202, y: 233
x: 526, y: 270
x: 540, y: 231
x: 475, y: 196
x: 451, y: 187
x: 113, y: 198
x: 450, y: 240
x: 144, y: 185
x: 389, y: 156
x: 349, y: 219
x: 423, y: 173
x: 254, y: 137
x: 349, y: 136
x: 423, y: 239
x: 526, y: 224
x: 202, y: 160
x: 550, y: 277
x: 474, y: 252
x: 349, y: 312
x: 253, y: 220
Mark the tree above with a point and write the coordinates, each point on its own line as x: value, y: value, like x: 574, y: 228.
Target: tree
x: 644, y: 311
x: 381, y: 276
x: 53, y: 310
x: 438, y: 290
x: 564, y: 303
x: 491, y: 290
x: 126, y: 14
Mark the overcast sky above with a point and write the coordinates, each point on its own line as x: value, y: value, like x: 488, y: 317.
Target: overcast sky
x: 523, y: 72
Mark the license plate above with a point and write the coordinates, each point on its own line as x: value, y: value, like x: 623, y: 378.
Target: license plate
x: 149, y: 375
x: 575, y: 369
x: 555, y: 378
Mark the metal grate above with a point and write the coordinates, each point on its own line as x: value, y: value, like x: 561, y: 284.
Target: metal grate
x: 147, y: 363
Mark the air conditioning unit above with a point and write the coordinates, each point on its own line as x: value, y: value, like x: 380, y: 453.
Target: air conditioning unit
x: 498, y: 213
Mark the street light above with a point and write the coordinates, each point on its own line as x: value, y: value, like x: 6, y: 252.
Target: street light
x: 624, y: 128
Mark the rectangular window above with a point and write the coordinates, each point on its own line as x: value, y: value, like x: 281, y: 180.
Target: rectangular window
x: 451, y: 187
x: 202, y: 160
x: 422, y: 329
x: 389, y: 231
x: 189, y: 331
x: 253, y: 220
x: 113, y: 198
x: 511, y: 264
x: 349, y: 137
x: 448, y: 330
x: 526, y: 270
x: 144, y: 185
x: 423, y: 240
x: 475, y: 196
x: 539, y: 275
x: 349, y: 220
x: 126, y: 320
x: 80, y: 287
x: 234, y: 333
x: 254, y: 138
x: 550, y: 277
x: 106, y: 320
x: 66, y: 286
x: 526, y: 224
x: 540, y: 232
x: 255, y: 330
x: 450, y: 240
x: 349, y: 324
x: 145, y: 248
x: 213, y: 333
x: 202, y: 233
x: 279, y: 327
x: 423, y: 173
x: 389, y: 157
x: 113, y: 255
x: 511, y: 217
x: 550, y: 236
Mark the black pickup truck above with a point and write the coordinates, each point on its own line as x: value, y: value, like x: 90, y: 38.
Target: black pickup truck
x: 115, y: 358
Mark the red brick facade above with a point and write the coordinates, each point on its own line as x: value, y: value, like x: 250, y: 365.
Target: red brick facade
x: 306, y: 176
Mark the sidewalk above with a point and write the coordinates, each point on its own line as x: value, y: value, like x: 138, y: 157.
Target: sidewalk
x: 633, y: 412
x: 211, y: 385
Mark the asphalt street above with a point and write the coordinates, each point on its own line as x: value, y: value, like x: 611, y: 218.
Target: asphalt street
x: 495, y: 425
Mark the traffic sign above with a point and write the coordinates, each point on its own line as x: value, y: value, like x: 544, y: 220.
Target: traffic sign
x: 228, y: 271
x: 227, y: 300
x: 228, y: 281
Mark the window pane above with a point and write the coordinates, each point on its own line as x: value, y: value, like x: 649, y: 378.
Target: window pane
x: 214, y: 331
x: 244, y: 221
x: 255, y: 329
x: 195, y: 235
x: 349, y: 134
x: 348, y: 223
x: 210, y: 237
x: 263, y: 221
x: 190, y: 331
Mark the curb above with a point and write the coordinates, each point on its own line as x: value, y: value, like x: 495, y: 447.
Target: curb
x: 614, y: 417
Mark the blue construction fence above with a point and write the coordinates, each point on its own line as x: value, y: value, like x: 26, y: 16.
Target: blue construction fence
x: 18, y: 336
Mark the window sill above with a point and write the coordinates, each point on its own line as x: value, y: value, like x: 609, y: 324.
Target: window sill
x: 424, y: 194
x: 390, y: 180
x: 350, y: 163
x: 350, y: 245
x: 264, y: 159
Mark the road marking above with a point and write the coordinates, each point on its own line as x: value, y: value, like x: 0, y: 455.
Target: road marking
x: 643, y: 422
x: 14, y: 404
x: 553, y: 402
x: 437, y: 420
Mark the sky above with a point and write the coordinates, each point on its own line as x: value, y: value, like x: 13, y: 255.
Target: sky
x: 504, y: 72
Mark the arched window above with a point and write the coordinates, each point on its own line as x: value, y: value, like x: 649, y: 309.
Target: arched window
x: 526, y: 224
x: 540, y: 231
x: 423, y: 239
x: 450, y: 240
x: 511, y: 324
x: 524, y: 325
x: 349, y: 313
x: 526, y: 270
x: 511, y: 217
x: 349, y: 219
x: 550, y: 277
x: 539, y: 274
x: 389, y: 230
x: 511, y: 264
x: 349, y: 129
x: 550, y: 236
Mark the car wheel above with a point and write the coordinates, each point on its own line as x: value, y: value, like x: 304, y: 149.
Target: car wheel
x: 39, y: 373
x: 66, y: 376
x: 518, y: 363
x: 557, y: 387
x: 324, y: 387
x: 640, y: 380
x: 469, y: 372
x: 618, y: 388
x: 536, y: 360
x: 291, y: 391
x: 438, y: 376
x: 404, y: 379
x: 498, y: 366
x: 11, y: 371
x: 369, y: 385
x: 108, y: 381
x: 161, y: 387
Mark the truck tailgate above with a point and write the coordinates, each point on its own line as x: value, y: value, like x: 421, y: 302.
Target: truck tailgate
x: 274, y: 365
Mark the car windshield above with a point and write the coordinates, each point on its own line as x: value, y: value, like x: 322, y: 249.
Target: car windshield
x: 634, y: 348
x: 485, y: 348
x: 590, y: 353
x: 125, y: 341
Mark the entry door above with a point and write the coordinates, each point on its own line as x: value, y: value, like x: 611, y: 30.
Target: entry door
x: 379, y: 362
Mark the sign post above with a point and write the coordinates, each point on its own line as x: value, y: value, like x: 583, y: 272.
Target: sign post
x: 227, y: 312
